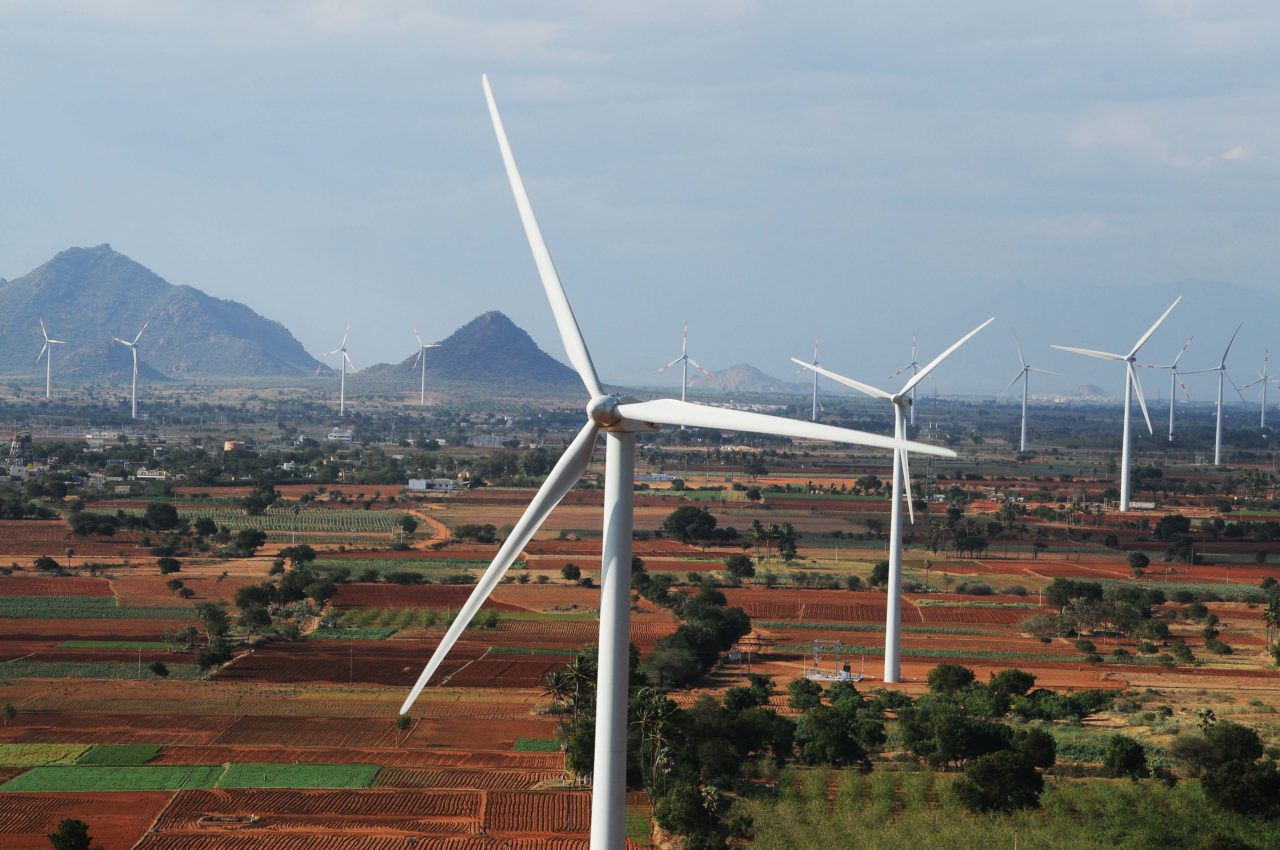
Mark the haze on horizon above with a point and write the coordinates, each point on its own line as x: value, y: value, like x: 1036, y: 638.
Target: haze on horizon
x: 768, y: 171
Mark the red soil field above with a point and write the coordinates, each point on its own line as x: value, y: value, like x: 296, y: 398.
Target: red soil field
x: 60, y: 630
x: 485, y: 779
x: 116, y: 820
x: 326, y: 732
x: 54, y: 537
x: 467, y: 552
x: 48, y: 727
x: 410, y: 596
x: 20, y: 585
x: 407, y: 756
x: 949, y: 615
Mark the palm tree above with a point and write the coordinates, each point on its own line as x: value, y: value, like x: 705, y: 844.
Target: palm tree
x: 1271, y: 616
x: 557, y: 686
x: 757, y: 533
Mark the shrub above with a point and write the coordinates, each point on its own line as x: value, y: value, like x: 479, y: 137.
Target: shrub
x: 1125, y: 757
x: 1000, y: 782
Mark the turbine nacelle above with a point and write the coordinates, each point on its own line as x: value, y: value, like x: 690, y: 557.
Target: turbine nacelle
x: 604, y: 413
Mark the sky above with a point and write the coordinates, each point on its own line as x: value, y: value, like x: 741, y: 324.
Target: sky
x: 772, y: 172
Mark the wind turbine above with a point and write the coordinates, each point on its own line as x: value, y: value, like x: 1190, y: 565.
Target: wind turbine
x: 1221, y: 369
x: 620, y: 417
x: 684, y: 359
x: 47, y: 353
x: 1131, y: 385
x: 344, y: 362
x: 1021, y: 376
x: 812, y: 365
x: 422, y: 359
x: 914, y: 366
x: 133, y: 347
x: 901, y: 487
x: 1264, y: 378
x: 1173, y: 381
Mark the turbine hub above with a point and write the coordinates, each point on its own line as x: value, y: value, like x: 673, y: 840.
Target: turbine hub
x: 603, y: 410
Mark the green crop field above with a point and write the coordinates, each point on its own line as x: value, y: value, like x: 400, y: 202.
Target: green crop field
x: 30, y: 755
x: 299, y: 776
x: 114, y: 644
x: 119, y: 754
x: 307, y: 520
x: 353, y: 634
x: 537, y: 745
x: 92, y: 670
x: 78, y: 777
x: 83, y: 608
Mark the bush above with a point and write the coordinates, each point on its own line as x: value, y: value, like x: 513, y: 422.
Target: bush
x: 1000, y: 782
x: 950, y: 678
x: 571, y: 572
x: 1125, y: 757
x: 159, y: 668
x: 1246, y: 788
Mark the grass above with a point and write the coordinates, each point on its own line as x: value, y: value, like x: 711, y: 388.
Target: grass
x: 119, y: 754
x: 888, y: 810
x: 114, y: 644
x: 532, y: 650
x: 78, y: 777
x: 299, y: 776
x: 30, y: 755
x: 84, y: 608
x: 353, y: 634
x: 638, y: 826
x: 91, y: 670
x: 551, y: 616
x: 972, y: 603
x: 866, y: 627
x: 537, y: 745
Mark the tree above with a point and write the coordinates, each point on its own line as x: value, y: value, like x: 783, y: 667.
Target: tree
x: 1247, y: 788
x: 805, y: 694
x: 1000, y: 782
x: 409, y: 524
x: 879, y: 574
x: 1138, y: 562
x: 162, y: 516
x: 571, y: 572
x: 740, y: 566
x: 689, y: 523
x: 950, y: 678
x: 213, y: 617
x: 249, y: 539
x: 168, y: 565
x: 46, y: 564
x: 1125, y: 757
x: 297, y: 555
x: 1037, y: 746
x: 159, y: 668
x: 1012, y: 682
x: 72, y: 834
x: 205, y: 526
x: 9, y: 712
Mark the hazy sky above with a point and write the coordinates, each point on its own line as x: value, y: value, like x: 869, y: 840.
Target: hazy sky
x: 770, y: 171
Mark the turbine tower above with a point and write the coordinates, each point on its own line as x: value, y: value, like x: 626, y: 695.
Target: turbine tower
x: 813, y: 416
x: 684, y: 359
x: 1221, y: 369
x: 133, y: 347
x: 1173, y: 381
x: 1022, y: 376
x: 47, y: 353
x: 344, y: 362
x: 914, y: 366
x: 1131, y: 386
x: 901, y: 488
x: 1264, y: 378
x: 620, y: 418
x: 422, y: 360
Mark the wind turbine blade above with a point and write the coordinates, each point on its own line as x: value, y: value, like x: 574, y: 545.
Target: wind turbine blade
x: 1227, y: 375
x: 348, y: 359
x: 672, y: 363
x: 326, y: 354
x: 566, y: 473
x: 1142, y: 402
x: 1015, y: 380
x: 139, y: 336
x: 1142, y: 340
x: 417, y: 361
x: 920, y: 376
x: 570, y: 334
x: 418, y: 338
x: 1043, y: 371
x: 1201, y: 371
x: 42, y: 351
x: 1181, y: 352
x: 698, y: 366
x: 874, y: 392
x: 1185, y: 391
x: 121, y: 341
x: 1018, y: 345
x: 44, y: 332
x: 906, y: 485
x: 345, y: 334
x: 1230, y: 343
x: 1089, y: 352
x: 667, y: 411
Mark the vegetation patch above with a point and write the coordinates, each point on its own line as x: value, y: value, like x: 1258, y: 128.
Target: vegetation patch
x: 77, y: 777
x: 30, y: 755
x: 537, y: 745
x: 354, y: 634
x: 90, y: 670
x: 157, y: 645
x: 83, y: 608
x: 299, y: 776
x: 119, y: 754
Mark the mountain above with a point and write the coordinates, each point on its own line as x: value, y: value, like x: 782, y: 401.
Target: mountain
x: 89, y: 295
x: 488, y: 351
x: 744, y: 378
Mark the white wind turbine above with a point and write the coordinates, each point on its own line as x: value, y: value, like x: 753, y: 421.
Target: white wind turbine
x: 1264, y: 378
x: 1131, y: 385
x: 1022, y: 376
x: 813, y: 416
x: 901, y: 489
x: 422, y: 360
x: 1221, y: 369
x: 620, y: 418
x: 685, y: 360
x: 344, y: 362
x: 1174, y: 384
x: 47, y: 353
x: 133, y: 347
x: 914, y: 366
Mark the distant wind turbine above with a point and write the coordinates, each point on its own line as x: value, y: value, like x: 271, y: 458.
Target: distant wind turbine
x: 684, y: 359
x: 1174, y: 385
x: 344, y: 362
x: 422, y: 360
x: 1264, y: 378
x: 812, y: 365
x: 1022, y: 376
x: 620, y: 418
x: 133, y: 347
x: 1223, y: 377
x: 901, y: 488
x: 914, y: 366
x: 47, y: 353
x: 1131, y: 386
